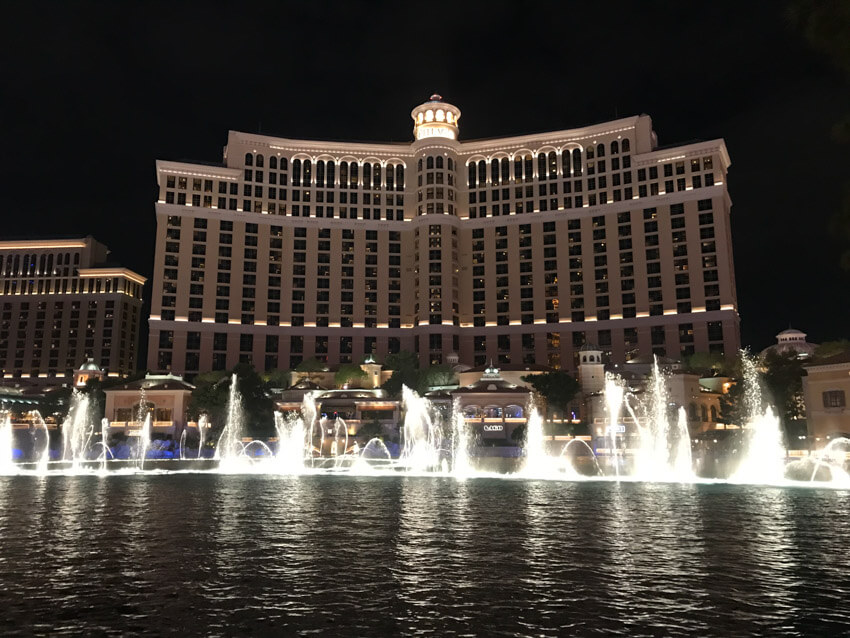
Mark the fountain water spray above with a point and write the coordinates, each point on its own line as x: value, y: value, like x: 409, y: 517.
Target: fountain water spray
x: 461, y: 467
x: 44, y: 457
x: 229, y: 447
x: 614, y: 392
x: 764, y: 456
x: 76, y: 430
x: 423, y: 436
x: 7, y: 463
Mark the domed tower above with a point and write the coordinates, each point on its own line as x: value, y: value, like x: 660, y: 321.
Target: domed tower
x: 435, y: 118
x: 435, y: 127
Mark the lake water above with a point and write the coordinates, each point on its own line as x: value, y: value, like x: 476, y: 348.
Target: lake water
x: 431, y: 556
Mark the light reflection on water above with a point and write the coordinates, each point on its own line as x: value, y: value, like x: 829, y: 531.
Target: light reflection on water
x: 224, y: 555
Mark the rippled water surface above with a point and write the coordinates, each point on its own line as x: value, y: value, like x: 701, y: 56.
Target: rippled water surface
x: 235, y: 555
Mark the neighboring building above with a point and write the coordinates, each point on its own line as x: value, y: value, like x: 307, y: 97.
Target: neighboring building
x: 517, y: 250
x: 164, y: 397
x: 700, y: 397
x: 826, y: 386
x: 89, y: 371
x: 63, y: 304
x: 493, y: 407
x: 792, y: 340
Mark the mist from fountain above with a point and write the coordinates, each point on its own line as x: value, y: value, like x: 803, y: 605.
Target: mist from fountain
x: 423, y: 435
x: 834, y: 456
x: 461, y: 464
x: 76, y: 431
x: 229, y: 451
x: 614, y: 393
x: 144, y: 440
x: 7, y: 461
x: 44, y: 457
x: 763, y: 460
x: 203, y: 425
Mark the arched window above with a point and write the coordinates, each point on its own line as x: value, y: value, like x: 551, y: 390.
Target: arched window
x: 419, y: 164
x: 703, y: 413
x: 367, y: 175
x: 692, y: 412
x: 376, y: 176
x: 493, y: 412
x: 513, y: 412
x: 615, y: 147
x: 494, y: 171
x: 529, y: 168
x: 330, y: 172
x: 399, y: 177
x: 471, y: 411
x: 50, y: 263
x: 506, y: 170
x: 713, y: 414
x: 429, y: 163
x: 565, y: 163
x: 296, y: 172
x: 259, y: 163
x: 451, y: 164
x: 517, y: 169
x: 471, y: 179
x: 439, y: 161
x: 625, y: 146
x: 576, y: 162
x: 553, y: 164
x: 284, y: 164
x: 273, y: 162
x: 482, y: 174
x: 308, y: 172
x: 600, y: 150
x: 589, y: 152
x: 343, y: 174
x: 390, y: 177
x: 353, y: 175
x: 320, y: 173
x: 249, y: 159
x: 541, y: 166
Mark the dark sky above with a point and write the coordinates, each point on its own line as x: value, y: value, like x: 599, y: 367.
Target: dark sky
x: 96, y: 92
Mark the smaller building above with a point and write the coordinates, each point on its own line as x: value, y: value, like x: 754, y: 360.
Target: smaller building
x: 792, y: 340
x: 164, y: 397
x: 89, y: 371
x: 493, y: 407
x: 826, y: 386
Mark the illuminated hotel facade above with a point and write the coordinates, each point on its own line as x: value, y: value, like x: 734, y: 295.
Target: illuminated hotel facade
x: 517, y: 250
x: 63, y: 304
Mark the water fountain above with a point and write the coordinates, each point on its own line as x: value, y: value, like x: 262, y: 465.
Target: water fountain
x: 7, y: 462
x: 764, y: 457
x: 76, y: 431
x: 44, y: 457
x: 423, y: 435
x: 229, y: 451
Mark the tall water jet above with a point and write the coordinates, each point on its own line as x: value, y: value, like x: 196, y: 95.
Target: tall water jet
x: 682, y: 463
x: 44, y: 457
x: 104, y: 435
x: 614, y: 392
x: 203, y: 425
x: 764, y: 456
x: 461, y: 466
x: 76, y: 430
x: 422, y: 436
x: 538, y: 463
x: 229, y: 447
x: 291, y: 443
x: 7, y: 462
x: 144, y: 440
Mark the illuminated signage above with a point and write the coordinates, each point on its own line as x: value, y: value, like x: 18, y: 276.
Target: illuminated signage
x: 493, y: 428
x: 425, y: 130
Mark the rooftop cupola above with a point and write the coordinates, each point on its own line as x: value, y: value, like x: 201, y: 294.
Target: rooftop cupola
x: 435, y: 118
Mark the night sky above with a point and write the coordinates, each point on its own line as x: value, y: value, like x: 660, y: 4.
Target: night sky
x: 94, y: 93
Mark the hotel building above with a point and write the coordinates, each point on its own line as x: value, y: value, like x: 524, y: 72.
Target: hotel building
x: 517, y: 250
x: 62, y: 304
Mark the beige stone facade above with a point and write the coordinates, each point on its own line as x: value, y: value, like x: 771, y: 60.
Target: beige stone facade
x: 516, y: 250
x: 63, y: 304
x: 826, y: 387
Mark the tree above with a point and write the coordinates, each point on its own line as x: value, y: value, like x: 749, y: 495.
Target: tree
x: 311, y: 368
x: 783, y: 378
x: 557, y: 388
x: 831, y: 348
x: 212, y: 393
x: 371, y: 430
x: 438, y: 375
x: 349, y: 374
x: 405, y: 367
x: 277, y: 379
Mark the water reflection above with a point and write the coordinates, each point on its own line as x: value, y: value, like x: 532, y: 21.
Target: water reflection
x: 418, y: 556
